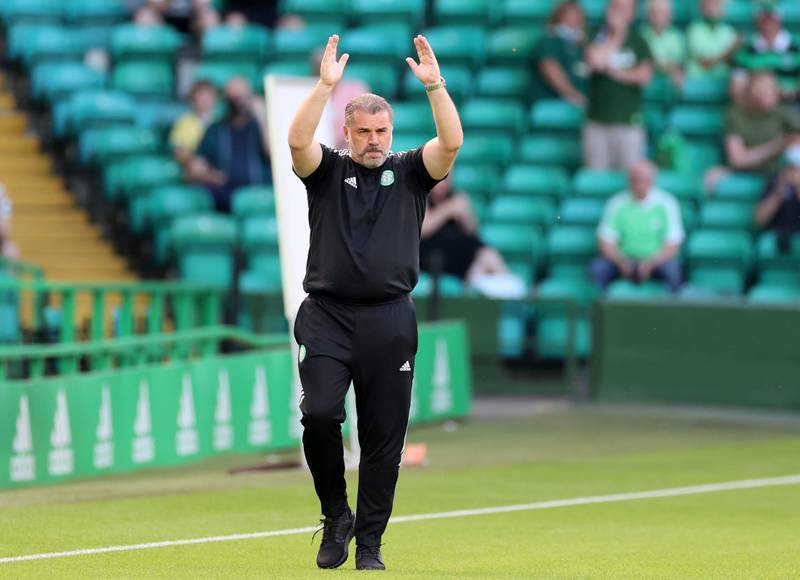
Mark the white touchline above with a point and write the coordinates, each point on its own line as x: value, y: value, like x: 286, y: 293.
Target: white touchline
x: 668, y: 492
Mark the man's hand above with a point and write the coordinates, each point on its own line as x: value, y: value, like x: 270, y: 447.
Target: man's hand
x: 330, y: 71
x: 626, y: 268
x: 427, y: 71
x: 645, y: 270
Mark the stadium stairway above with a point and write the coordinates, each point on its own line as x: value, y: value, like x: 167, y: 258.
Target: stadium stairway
x: 50, y: 230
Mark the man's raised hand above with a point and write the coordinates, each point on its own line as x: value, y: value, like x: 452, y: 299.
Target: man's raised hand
x: 330, y: 71
x: 427, y: 71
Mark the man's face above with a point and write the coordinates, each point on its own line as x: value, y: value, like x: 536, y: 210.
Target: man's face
x: 769, y: 25
x: 712, y: 9
x: 764, y: 93
x: 641, y: 178
x: 660, y: 15
x: 369, y: 138
x: 620, y: 13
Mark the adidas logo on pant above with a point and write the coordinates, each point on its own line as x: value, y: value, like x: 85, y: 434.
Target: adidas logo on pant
x: 406, y: 367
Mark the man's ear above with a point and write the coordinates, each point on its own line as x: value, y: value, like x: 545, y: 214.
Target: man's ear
x: 346, y: 133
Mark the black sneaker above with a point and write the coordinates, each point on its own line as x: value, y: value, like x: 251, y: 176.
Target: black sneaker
x: 369, y: 558
x: 336, y: 535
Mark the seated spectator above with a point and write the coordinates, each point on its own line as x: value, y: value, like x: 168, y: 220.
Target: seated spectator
x: 667, y: 43
x: 233, y: 151
x: 449, y: 237
x: 621, y: 65
x: 558, y: 67
x: 190, y: 127
x: 771, y: 48
x: 758, y: 130
x: 779, y: 208
x: 640, y: 233
x: 148, y: 15
x: 711, y: 43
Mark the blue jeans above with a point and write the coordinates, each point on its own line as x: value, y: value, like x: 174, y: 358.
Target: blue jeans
x: 603, y: 271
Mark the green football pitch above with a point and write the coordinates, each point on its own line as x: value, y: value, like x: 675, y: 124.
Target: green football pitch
x: 561, y: 453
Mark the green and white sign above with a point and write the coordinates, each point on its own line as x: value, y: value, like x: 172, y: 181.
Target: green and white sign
x: 111, y: 422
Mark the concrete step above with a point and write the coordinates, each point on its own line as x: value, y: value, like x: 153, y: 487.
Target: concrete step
x: 13, y: 123
x: 13, y: 164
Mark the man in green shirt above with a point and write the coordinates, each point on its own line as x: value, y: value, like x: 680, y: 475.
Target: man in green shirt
x: 667, y: 44
x: 711, y: 42
x: 759, y: 130
x: 640, y: 233
x: 621, y: 65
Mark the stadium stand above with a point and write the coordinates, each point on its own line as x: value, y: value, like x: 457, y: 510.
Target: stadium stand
x: 104, y: 92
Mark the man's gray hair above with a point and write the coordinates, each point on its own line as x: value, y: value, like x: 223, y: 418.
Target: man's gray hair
x: 366, y: 103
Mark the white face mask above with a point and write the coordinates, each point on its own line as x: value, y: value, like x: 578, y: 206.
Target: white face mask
x: 792, y: 155
x: 569, y: 34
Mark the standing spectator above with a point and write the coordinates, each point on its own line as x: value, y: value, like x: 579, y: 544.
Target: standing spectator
x: 779, y: 208
x: 449, y: 234
x: 621, y: 65
x: 771, y: 48
x: 233, y: 151
x: 558, y: 67
x: 758, y: 130
x: 190, y: 127
x: 640, y: 233
x: 667, y: 43
x: 711, y: 42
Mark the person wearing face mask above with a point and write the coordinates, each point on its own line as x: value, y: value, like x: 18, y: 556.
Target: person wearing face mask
x: 758, y: 130
x: 771, y: 48
x: 233, y: 151
x: 621, y: 65
x: 779, y: 208
x: 711, y: 43
x: 666, y: 42
x: 558, y: 67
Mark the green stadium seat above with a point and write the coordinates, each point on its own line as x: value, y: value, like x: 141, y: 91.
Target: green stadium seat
x: 556, y: 115
x: 526, y: 13
x: 599, y: 182
x: 720, y: 281
x: 627, y: 290
x: 727, y: 215
x: 409, y: 12
x: 56, y: 81
x: 105, y: 145
x: 692, y: 293
x: 165, y: 205
x: 135, y: 174
x: 512, y: 46
x: 465, y: 12
x: 253, y: 200
x: 144, y: 79
x: 740, y: 187
x: 413, y: 117
x: 701, y: 122
x: 689, y: 214
x: 517, y: 243
x: 449, y: 286
x: 522, y: 210
x: 381, y: 79
x: 259, y: 235
x: 594, y: 10
x: 703, y: 156
x: 288, y: 68
x: 552, y: 326
x: 94, y: 37
x: 204, y: 246
x: 740, y: 14
x: 94, y: 12
x: 160, y: 115
x: 294, y: 44
x: 377, y: 44
x: 478, y: 179
x: 131, y: 42
x: 705, y: 90
x: 331, y: 13
x: 232, y: 44
x: 93, y: 108
x: 552, y: 338
x: 460, y: 83
x: 219, y: 73
x: 571, y: 245
x: 550, y: 151
x: 495, y: 149
x: 712, y: 248
x: 683, y: 187
x: 774, y: 294
x: 499, y: 115
x: 503, y: 82
x: 30, y: 12
x: 660, y: 90
x: 408, y: 141
x: 46, y: 44
x: 531, y: 180
x: 463, y: 45
x: 774, y: 265
x: 581, y: 211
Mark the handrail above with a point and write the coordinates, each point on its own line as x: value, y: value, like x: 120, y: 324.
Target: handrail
x: 20, y: 267
x: 132, y: 350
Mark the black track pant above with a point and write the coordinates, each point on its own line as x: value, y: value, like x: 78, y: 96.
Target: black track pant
x: 374, y: 346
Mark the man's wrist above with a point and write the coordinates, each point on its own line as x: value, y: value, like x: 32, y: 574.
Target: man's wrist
x: 437, y: 85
